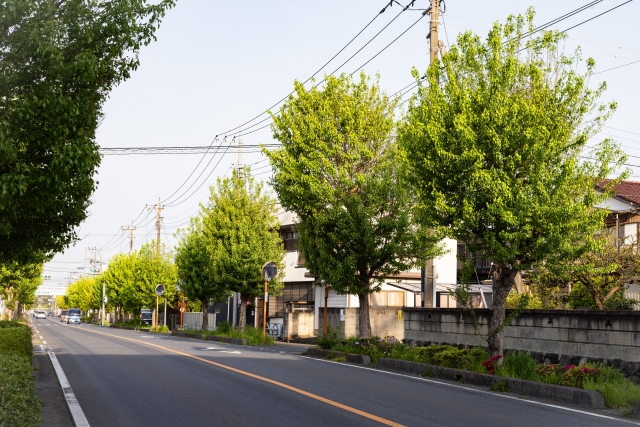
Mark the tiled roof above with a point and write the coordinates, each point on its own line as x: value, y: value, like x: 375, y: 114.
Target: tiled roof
x: 626, y: 190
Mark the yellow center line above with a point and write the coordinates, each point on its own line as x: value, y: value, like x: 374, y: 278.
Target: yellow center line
x: 258, y: 377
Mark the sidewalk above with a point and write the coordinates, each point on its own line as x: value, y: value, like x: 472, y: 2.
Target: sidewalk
x: 54, y: 409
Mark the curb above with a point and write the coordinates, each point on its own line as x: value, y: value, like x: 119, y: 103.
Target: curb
x: 557, y: 393
x: 361, y: 359
x: 237, y: 341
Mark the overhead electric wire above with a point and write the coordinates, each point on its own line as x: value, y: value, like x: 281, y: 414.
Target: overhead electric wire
x: 262, y: 113
x: 615, y: 68
x: 332, y: 73
x: 176, y: 203
x: 598, y: 15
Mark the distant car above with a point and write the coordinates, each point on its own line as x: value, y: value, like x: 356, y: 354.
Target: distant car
x: 51, y: 313
x: 146, y: 316
x: 41, y: 315
x: 74, y: 316
x: 64, y: 314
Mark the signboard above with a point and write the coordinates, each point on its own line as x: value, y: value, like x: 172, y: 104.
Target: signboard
x: 159, y: 290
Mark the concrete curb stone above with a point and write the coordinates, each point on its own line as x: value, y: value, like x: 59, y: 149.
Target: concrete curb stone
x: 636, y: 410
x: 560, y: 394
x: 361, y: 359
x: 238, y: 341
x: 557, y: 393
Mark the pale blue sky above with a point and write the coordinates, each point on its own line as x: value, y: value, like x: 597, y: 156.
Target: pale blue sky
x: 217, y: 64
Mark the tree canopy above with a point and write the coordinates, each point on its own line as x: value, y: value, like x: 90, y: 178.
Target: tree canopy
x: 18, y: 284
x: 338, y: 170
x: 495, y: 146
x: 130, y: 280
x: 241, y: 230
x: 195, y: 269
x: 58, y: 62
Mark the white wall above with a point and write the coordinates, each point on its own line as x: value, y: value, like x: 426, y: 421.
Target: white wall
x: 614, y: 205
x: 447, y: 264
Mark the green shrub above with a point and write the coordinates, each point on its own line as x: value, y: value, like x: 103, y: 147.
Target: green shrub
x: 224, y: 328
x: 16, y: 340
x: 448, y: 356
x: 19, y: 403
x: 329, y: 340
x: 519, y: 365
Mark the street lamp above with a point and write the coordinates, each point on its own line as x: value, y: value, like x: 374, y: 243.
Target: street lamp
x: 269, y: 272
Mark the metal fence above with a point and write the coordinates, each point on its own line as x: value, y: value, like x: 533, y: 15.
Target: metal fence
x: 194, y: 321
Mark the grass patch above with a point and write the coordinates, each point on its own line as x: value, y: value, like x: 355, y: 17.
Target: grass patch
x: 501, y: 386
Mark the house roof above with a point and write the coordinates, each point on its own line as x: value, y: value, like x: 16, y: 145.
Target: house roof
x: 626, y: 190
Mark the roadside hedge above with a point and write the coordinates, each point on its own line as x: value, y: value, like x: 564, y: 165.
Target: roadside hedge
x: 15, y: 338
x: 19, y: 403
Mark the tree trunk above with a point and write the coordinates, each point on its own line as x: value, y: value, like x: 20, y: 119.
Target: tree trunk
x: 242, y: 315
x: 364, y: 329
x: 503, y: 281
x: 205, y: 315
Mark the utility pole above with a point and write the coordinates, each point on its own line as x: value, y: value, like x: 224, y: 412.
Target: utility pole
x: 239, y: 156
x: 433, y: 35
x: 159, y: 209
x: 130, y: 229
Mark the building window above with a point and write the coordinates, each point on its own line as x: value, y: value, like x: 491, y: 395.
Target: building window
x: 300, y: 259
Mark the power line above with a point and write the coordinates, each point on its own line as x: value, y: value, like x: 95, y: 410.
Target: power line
x: 262, y: 113
x: 615, y: 68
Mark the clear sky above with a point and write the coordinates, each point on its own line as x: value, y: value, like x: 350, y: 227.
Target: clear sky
x: 217, y: 64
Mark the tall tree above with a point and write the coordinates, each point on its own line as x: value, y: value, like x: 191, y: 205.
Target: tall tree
x: 85, y: 294
x: 18, y: 284
x: 495, y: 146
x: 338, y: 170
x: 195, y: 269
x: 131, y: 280
x: 242, y: 234
x: 59, y: 59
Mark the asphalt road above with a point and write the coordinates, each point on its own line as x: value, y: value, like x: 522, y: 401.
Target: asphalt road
x: 126, y: 378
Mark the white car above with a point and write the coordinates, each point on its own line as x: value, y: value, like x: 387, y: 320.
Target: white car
x: 41, y: 315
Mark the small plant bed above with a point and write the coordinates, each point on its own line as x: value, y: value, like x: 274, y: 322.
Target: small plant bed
x: 19, y: 403
x: 252, y: 335
x: 617, y: 391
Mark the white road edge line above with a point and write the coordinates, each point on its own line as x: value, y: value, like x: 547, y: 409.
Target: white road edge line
x: 79, y: 420
x: 622, y: 420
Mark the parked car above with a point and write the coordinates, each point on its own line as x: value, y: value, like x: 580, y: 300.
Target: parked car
x: 74, y: 316
x: 64, y: 314
x: 146, y: 316
x: 41, y: 315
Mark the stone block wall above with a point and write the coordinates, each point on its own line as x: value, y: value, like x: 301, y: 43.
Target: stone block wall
x: 384, y: 321
x: 553, y: 336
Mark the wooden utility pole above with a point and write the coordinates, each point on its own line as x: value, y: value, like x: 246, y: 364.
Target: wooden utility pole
x: 433, y: 51
x: 130, y: 229
x: 159, y: 209
x: 239, y: 157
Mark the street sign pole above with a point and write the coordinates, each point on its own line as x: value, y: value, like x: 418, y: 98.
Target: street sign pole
x: 159, y: 293
x: 269, y: 272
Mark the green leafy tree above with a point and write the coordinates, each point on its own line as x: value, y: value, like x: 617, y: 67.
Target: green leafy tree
x: 494, y: 147
x: 241, y: 230
x: 85, y: 294
x: 195, y: 269
x: 338, y: 170
x: 58, y: 62
x: 61, y: 302
x: 598, y: 278
x: 130, y: 280
x: 18, y: 284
